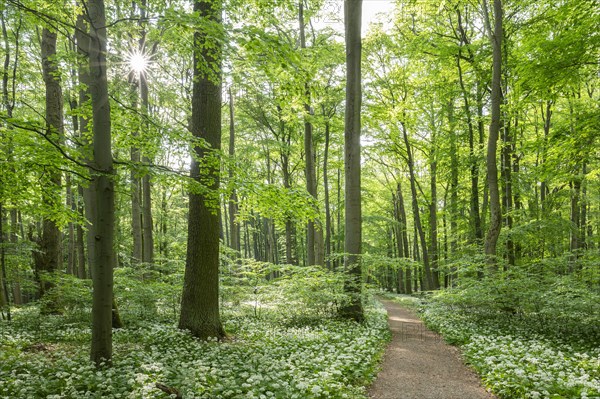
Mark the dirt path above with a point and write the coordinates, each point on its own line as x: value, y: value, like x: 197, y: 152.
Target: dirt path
x: 418, y: 364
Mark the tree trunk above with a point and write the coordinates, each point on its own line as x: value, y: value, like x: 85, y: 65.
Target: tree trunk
x: 200, y: 299
x: 311, y: 180
x: 234, y: 226
x: 353, y: 225
x: 71, y: 245
x: 430, y: 284
x: 81, y: 260
x: 493, y: 233
x: 136, y: 208
x: 102, y: 229
x: 507, y: 192
x: 433, y: 222
x: 4, y: 296
x: 326, y: 193
x: 50, y: 259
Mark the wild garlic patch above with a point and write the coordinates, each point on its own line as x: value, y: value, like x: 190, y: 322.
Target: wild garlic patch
x: 522, y: 354
x: 266, y: 357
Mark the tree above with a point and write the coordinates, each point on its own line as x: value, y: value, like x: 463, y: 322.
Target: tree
x: 493, y: 233
x: 102, y: 229
x: 200, y: 299
x: 353, y: 226
x: 48, y: 260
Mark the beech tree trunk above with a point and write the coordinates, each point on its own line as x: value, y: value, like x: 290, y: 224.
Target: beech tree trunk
x: 234, y: 226
x: 429, y: 279
x: 136, y: 208
x: 200, y: 299
x: 352, y: 124
x: 310, y: 173
x: 493, y: 232
x: 102, y: 230
x: 326, y: 193
x: 49, y: 260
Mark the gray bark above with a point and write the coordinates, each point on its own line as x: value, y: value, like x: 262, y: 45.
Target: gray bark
x: 200, y: 299
x: 493, y: 232
x: 103, y: 222
x: 352, y: 125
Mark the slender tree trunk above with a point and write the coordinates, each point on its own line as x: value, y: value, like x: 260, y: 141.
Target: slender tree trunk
x: 311, y: 180
x: 433, y: 221
x: 234, y: 226
x: 430, y: 284
x: 326, y: 193
x: 493, y: 233
x: 147, y: 223
x: 200, y: 299
x: 4, y: 296
x: 453, y: 186
x: 81, y: 260
x: 71, y: 251
x: 136, y: 208
x: 507, y: 192
x: 546, y: 117
x: 352, y: 124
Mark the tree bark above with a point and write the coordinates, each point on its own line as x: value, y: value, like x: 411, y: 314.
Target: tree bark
x: 310, y: 173
x: 200, y: 299
x: 353, y: 226
x: 429, y: 279
x: 50, y: 248
x: 234, y: 226
x: 326, y: 193
x: 493, y: 232
x: 102, y: 230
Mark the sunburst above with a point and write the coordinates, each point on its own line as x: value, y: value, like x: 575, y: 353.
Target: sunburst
x: 138, y: 61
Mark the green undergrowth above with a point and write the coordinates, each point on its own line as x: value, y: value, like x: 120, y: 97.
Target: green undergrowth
x: 527, y: 337
x: 272, y: 350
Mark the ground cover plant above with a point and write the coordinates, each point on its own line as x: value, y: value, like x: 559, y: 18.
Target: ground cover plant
x: 272, y: 353
x: 527, y: 336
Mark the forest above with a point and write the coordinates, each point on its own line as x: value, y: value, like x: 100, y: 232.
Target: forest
x: 212, y: 198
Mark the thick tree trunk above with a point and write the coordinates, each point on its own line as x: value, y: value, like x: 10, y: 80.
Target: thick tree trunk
x: 102, y: 230
x: 352, y: 124
x: 200, y: 299
x: 493, y: 232
x: 50, y: 258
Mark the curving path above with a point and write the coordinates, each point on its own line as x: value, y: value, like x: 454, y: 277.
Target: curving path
x: 418, y: 364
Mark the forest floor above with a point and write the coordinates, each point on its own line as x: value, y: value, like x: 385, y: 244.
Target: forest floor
x: 418, y: 364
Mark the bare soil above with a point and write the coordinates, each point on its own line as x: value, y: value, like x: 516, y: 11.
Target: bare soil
x: 418, y: 364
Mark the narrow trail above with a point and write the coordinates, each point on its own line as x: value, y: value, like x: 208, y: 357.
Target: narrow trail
x: 418, y: 364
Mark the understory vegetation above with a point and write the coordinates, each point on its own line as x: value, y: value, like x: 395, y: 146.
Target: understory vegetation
x: 529, y: 335
x: 284, y: 341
